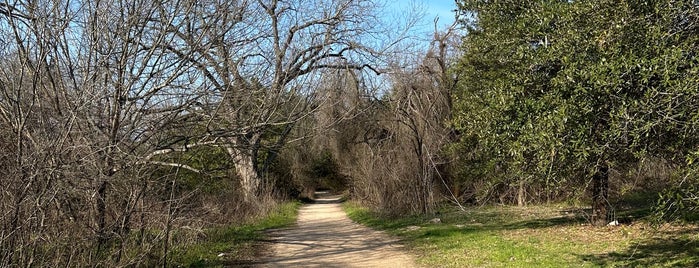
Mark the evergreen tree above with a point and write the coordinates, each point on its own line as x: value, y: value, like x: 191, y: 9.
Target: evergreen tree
x: 560, y: 92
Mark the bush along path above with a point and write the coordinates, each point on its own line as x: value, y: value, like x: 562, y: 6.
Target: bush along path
x: 325, y: 237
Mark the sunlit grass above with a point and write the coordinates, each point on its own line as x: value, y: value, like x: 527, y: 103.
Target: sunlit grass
x: 537, y: 236
x: 222, y: 245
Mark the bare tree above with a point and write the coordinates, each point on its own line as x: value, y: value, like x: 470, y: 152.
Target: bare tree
x: 100, y: 102
x: 95, y: 94
x: 399, y: 165
x: 260, y: 63
x: 85, y: 92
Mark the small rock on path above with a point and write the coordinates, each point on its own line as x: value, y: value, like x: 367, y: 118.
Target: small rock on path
x: 325, y: 237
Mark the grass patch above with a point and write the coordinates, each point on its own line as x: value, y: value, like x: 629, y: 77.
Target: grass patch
x: 228, y: 245
x: 537, y: 236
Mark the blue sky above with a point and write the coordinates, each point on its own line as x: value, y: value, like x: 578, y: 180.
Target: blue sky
x: 441, y: 8
x: 432, y: 8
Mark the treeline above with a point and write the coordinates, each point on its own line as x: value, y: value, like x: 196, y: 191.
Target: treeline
x: 128, y: 127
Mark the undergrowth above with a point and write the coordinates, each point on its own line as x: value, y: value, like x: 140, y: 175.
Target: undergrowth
x: 232, y: 244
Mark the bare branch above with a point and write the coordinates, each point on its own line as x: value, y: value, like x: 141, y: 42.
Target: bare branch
x: 177, y: 165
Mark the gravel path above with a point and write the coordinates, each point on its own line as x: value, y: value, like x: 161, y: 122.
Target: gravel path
x: 325, y: 237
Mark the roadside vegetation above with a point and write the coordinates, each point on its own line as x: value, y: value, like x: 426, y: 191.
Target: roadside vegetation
x: 554, y: 235
x: 231, y: 244
x: 146, y: 133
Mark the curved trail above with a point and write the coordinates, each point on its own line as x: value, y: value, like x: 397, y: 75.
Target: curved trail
x: 325, y: 237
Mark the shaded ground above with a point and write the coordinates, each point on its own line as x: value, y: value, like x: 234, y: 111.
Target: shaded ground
x: 666, y: 248
x: 326, y: 237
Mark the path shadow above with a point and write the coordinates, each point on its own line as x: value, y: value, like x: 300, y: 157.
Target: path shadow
x: 447, y: 230
x: 327, y: 197
x: 457, y: 222
x: 626, y: 211
x: 329, y: 200
x: 544, y: 223
x: 565, y: 217
x: 320, y: 253
x: 680, y: 250
x: 325, y: 237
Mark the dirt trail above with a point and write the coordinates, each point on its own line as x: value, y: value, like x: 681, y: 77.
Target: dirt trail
x: 325, y: 237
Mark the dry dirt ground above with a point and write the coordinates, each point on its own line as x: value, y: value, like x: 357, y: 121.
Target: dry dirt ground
x: 325, y: 237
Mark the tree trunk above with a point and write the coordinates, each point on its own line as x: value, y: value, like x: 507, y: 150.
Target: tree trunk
x: 244, y: 155
x: 521, y: 200
x: 101, y: 204
x: 600, y: 193
x: 245, y: 169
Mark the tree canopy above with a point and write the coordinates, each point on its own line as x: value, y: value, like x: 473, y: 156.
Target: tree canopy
x: 555, y: 91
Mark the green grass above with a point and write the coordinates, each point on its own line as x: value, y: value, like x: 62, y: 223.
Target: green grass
x: 227, y: 245
x: 537, y: 236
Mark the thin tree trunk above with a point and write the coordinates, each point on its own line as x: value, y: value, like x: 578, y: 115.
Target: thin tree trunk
x: 168, y: 223
x: 521, y: 199
x: 101, y: 214
x: 600, y: 193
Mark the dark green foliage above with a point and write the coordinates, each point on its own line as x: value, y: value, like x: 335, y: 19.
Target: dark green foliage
x: 281, y: 173
x: 679, y: 203
x: 557, y: 91
x: 324, y: 171
x: 215, y: 172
